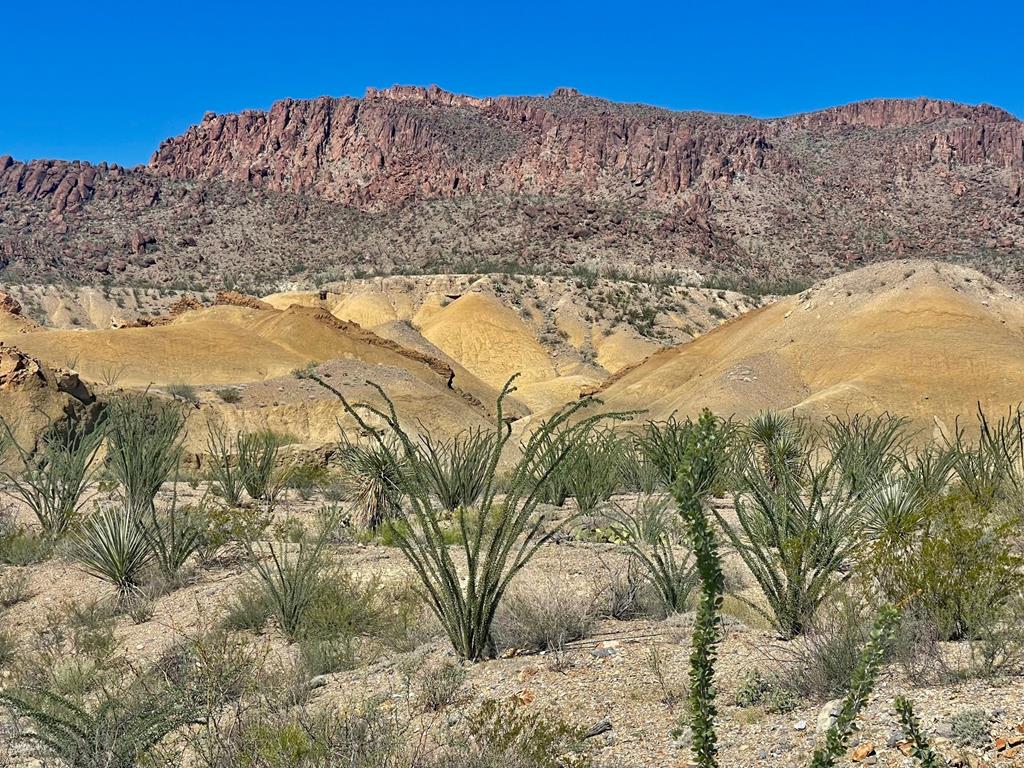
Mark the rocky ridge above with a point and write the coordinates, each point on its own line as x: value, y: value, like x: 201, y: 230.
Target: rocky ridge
x: 411, y: 178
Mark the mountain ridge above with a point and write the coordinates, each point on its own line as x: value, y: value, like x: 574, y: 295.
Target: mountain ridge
x: 553, y: 182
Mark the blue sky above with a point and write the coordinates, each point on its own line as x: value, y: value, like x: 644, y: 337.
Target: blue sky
x: 107, y: 81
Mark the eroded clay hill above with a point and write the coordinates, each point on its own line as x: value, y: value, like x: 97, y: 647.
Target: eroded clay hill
x: 922, y: 339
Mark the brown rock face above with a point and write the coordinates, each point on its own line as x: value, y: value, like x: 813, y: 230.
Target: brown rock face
x: 419, y: 177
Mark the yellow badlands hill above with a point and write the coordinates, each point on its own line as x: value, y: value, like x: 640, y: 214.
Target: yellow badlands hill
x: 921, y: 339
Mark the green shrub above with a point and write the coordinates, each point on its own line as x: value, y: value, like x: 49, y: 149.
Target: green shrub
x: 305, y: 479
x: 13, y: 587
x: 652, y: 534
x: 144, y: 449
x: 966, y: 570
x: 504, y: 734
x: 456, y: 470
x: 20, y: 545
x: 229, y: 394
x: 920, y: 748
x: 53, y: 480
x: 759, y: 690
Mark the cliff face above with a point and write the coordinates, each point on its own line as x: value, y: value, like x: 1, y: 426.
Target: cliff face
x: 401, y: 143
x: 582, y: 178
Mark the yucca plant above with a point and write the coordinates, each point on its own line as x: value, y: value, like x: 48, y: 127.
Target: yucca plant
x: 52, y: 481
x: 893, y: 515
x: 373, y: 481
x: 778, y: 442
x: 118, y: 730
x: 795, y: 531
x: 650, y: 532
x: 144, y: 448
x: 457, y: 468
x: 111, y: 546
x: 497, y: 540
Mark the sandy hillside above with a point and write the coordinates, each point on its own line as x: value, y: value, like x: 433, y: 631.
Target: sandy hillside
x: 927, y: 340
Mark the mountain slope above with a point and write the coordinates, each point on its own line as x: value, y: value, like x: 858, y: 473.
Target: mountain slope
x: 920, y: 339
x: 413, y: 178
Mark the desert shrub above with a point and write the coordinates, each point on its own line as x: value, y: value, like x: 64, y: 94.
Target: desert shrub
x: 592, y: 470
x: 112, y: 547
x: 8, y: 648
x: 440, y: 687
x: 628, y: 593
x: 13, y: 587
x: 257, y: 455
x: 306, y: 478
x: 652, y: 534
x: 250, y: 608
x: 542, y: 616
x: 865, y: 449
x: 226, y: 525
x: 18, y: 544
x: 457, y: 469
x: 966, y: 571
x: 827, y: 654
x: 971, y: 728
x: 268, y: 738
x: 229, y: 394
x: 184, y: 392
x: 503, y: 733
x: 507, y: 535
x: 373, y: 481
x: 144, y: 449
x: 758, y: 690
x: 795, y: 530
x: 53, y: 480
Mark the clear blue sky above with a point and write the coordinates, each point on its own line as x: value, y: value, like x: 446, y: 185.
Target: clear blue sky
x: 107, y: 81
